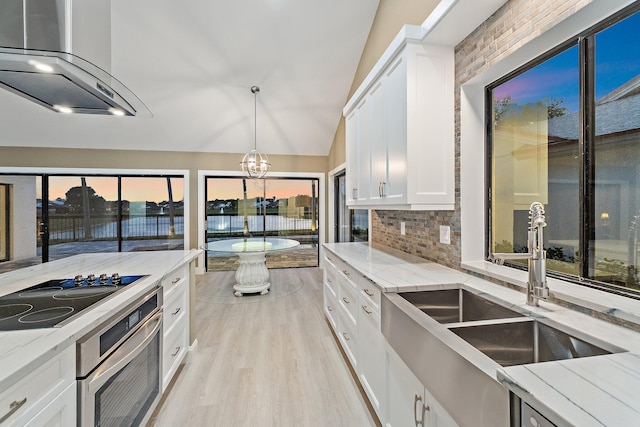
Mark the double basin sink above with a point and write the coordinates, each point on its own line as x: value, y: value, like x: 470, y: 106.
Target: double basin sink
x: 454, y: 341
x: 506, y: 336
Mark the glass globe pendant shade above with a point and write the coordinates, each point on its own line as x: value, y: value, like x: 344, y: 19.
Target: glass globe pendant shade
x: 255, y: 165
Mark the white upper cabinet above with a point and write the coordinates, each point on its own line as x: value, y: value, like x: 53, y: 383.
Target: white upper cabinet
x: 399, y: 129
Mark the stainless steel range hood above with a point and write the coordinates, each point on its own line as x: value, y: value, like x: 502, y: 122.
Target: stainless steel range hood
x: 57, y: 53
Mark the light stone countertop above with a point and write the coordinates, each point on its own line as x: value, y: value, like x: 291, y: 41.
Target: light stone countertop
x: 592, y: 391
x: 20, y: 351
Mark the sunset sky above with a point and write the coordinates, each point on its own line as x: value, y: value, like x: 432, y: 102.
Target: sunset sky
x: 155, y: 189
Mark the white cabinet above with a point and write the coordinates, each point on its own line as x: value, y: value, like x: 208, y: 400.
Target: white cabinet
x: 352, y: 307
x: 409, y: 403
x: 400, y: 130
x: 371, y: 361
x: 175, y: 322
x: 60, y: 412
x: 46, y: 396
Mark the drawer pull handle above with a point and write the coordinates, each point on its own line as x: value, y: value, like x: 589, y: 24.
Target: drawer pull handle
x: 346, y: 337
x: 366, y: 310
x: 417, y: 399
x: 329, y: 308
x: 13, y: 407
x: 346, y: 301
x: 368, y: 292
x: 176, y: 280
x: 329, y: 280
x: 346, y: 273
x: 176, y: 312
x: 176, y: 353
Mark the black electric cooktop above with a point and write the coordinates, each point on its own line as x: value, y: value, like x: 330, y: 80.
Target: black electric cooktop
x: 50, y: 303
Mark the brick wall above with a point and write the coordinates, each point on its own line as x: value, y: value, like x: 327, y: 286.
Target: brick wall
x: 510, y: 27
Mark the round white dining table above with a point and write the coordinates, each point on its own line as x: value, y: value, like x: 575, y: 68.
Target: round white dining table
x: 252, y: 275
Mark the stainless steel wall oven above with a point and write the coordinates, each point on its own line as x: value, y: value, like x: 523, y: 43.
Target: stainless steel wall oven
x: 119, y: 366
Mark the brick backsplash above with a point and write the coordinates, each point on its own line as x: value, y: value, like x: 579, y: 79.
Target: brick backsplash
x: 514, y: 24
x: 422, y: 234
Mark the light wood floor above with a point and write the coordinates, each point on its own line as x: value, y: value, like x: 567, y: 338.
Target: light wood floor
x: 264, y: 361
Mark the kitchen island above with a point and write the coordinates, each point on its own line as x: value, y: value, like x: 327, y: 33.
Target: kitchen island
x: 23, y: 352
x: 587, y: 391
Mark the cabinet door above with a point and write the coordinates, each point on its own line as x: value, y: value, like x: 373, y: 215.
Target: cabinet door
x: 60, y: 412
x: 363, y: 150
x: 405, y: 394
x: 377, y: 143
x: 371, y: 353
x: 353, y: 159
x: 395, y: 113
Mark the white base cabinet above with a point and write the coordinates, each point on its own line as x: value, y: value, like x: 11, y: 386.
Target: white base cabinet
x: 352, y: 308
x: 175, y: 322
x: 44, y: 397
x: 409, y: 403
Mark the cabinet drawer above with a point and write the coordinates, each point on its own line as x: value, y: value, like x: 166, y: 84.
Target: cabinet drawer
x: 44, y: 382
x: 174, y: 348
x: 331, y: 281
x: 331, y: 308
x: 175, y: 277
x: 175, y: 307
x: 348, y: 339
x: 349, y: 302
x: 371, y: 293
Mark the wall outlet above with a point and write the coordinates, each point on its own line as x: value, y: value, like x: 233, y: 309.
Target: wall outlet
x: 445, y: 234
x: 403, y: 229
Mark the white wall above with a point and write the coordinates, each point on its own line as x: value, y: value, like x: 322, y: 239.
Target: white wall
x: 23, y: 216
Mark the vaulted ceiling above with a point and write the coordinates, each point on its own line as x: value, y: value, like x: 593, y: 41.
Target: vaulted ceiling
x: 193, y: 63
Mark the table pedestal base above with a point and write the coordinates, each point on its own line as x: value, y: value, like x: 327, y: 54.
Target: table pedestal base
x: 252, y: 275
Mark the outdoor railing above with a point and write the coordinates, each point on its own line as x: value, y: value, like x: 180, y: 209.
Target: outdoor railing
x: 70, y: 228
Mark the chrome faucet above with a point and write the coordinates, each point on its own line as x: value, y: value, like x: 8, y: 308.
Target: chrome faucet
x: 537, y: 288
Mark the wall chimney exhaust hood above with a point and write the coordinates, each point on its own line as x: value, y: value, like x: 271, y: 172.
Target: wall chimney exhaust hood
x: 55, y: 53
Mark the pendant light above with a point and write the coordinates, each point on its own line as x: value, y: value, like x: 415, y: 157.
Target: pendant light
x: 254, y: 164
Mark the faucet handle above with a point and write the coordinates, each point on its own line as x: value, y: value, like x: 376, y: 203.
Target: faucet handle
x: 541, y: 292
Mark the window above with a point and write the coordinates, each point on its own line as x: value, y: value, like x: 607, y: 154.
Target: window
x: 238, y: 207
x: 110, y: 214
x: 544, y: 148
x: 352, y: 225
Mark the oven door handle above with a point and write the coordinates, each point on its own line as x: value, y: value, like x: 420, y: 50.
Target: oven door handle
x: 129, y: 349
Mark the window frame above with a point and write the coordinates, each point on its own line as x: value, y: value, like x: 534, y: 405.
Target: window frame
x: 585, y: 41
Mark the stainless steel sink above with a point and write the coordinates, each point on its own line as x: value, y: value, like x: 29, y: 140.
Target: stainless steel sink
x: 518, y: 342
x: 457, y: 305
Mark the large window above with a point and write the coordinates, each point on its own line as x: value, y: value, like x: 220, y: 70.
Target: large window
x: 109, y: 214
x: 271, y: 207
x: 565, y: 131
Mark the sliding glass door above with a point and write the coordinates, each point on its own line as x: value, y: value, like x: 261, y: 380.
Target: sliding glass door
x: 238, y: 207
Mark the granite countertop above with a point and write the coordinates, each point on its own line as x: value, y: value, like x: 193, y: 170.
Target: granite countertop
x: 21, y: 350
x: 592, y: 391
